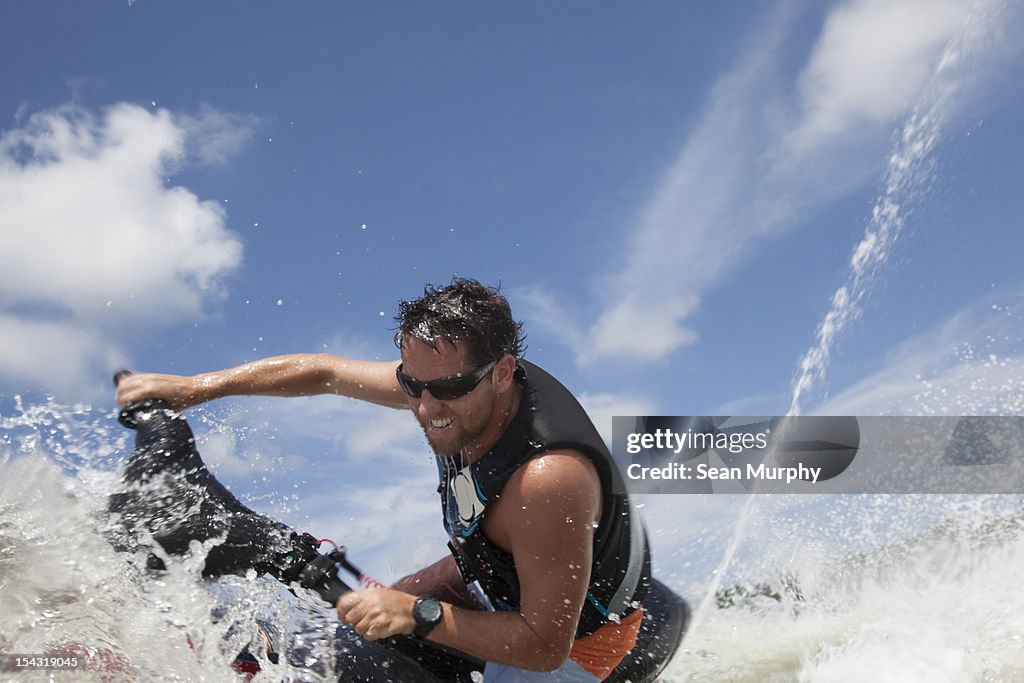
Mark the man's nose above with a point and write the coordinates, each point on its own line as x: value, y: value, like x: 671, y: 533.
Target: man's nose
x: 428, y: 405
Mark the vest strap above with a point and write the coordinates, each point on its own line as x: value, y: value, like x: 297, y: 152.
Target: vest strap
x: 623, y: 598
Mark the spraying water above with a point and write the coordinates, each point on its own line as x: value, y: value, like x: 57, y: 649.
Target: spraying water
x: 65, y: 591
x: 907, y: 175
x: 922, y: 609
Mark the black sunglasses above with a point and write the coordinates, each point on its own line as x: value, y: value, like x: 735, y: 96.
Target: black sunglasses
x: 444, y: 388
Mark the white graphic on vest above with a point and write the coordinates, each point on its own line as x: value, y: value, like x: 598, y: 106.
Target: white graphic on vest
x: 467, y: 498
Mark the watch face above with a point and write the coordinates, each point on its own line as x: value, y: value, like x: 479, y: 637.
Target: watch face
x: 428, y: 611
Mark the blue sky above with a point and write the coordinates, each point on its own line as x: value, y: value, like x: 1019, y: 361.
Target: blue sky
x: 671, y: 195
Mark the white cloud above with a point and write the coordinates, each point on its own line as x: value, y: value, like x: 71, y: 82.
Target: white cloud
x: 545, y: 312
x: 59, y: 351
x: 214, y: 136
x: 362, y: 431
x: 758, y: 404
x: 872, y: 61
x: 768, y: 151
x: 603, y: 407
x: 95, y: 239
x: 693, y: 228
x: 644, y: 327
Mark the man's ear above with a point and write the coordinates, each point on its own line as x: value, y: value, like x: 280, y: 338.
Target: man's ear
x: 503, y: 372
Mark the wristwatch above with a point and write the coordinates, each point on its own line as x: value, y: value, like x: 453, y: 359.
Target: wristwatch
x: 428, y: 613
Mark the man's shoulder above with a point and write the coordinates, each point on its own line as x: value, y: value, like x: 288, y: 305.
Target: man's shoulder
x: 541, y: 496
x: 558, y: 471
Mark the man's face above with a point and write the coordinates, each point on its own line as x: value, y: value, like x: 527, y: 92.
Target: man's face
x: 452, y: 425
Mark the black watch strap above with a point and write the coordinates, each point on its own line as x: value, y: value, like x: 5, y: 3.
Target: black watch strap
x: 428, y: 613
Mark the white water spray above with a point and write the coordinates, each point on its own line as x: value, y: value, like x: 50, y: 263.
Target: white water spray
x: 817, y: 649
x: 65, y: 591
x: 908, y: 172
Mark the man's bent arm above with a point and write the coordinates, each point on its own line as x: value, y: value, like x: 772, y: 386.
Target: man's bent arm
x: 292, y: 375
x: 550, y: 506
x: 440, y: 580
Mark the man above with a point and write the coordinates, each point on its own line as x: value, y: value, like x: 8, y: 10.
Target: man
x: 549, y: 567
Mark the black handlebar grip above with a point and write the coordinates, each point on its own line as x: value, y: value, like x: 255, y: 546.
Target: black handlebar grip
x: 332, y: 589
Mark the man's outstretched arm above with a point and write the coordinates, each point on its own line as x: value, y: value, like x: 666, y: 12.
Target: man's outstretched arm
x: 293, y: 375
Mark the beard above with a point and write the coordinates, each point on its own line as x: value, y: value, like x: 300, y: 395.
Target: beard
x: 469, y: 426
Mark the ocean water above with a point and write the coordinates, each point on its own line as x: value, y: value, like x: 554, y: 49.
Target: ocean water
x: 64, y: 590
x: 860, y: 587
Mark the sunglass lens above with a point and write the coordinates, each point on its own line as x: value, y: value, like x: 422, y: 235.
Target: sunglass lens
x: 453, y: 388
x: 409, y: 385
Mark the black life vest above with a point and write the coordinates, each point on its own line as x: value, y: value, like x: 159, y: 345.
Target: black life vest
x: 549, y: 418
